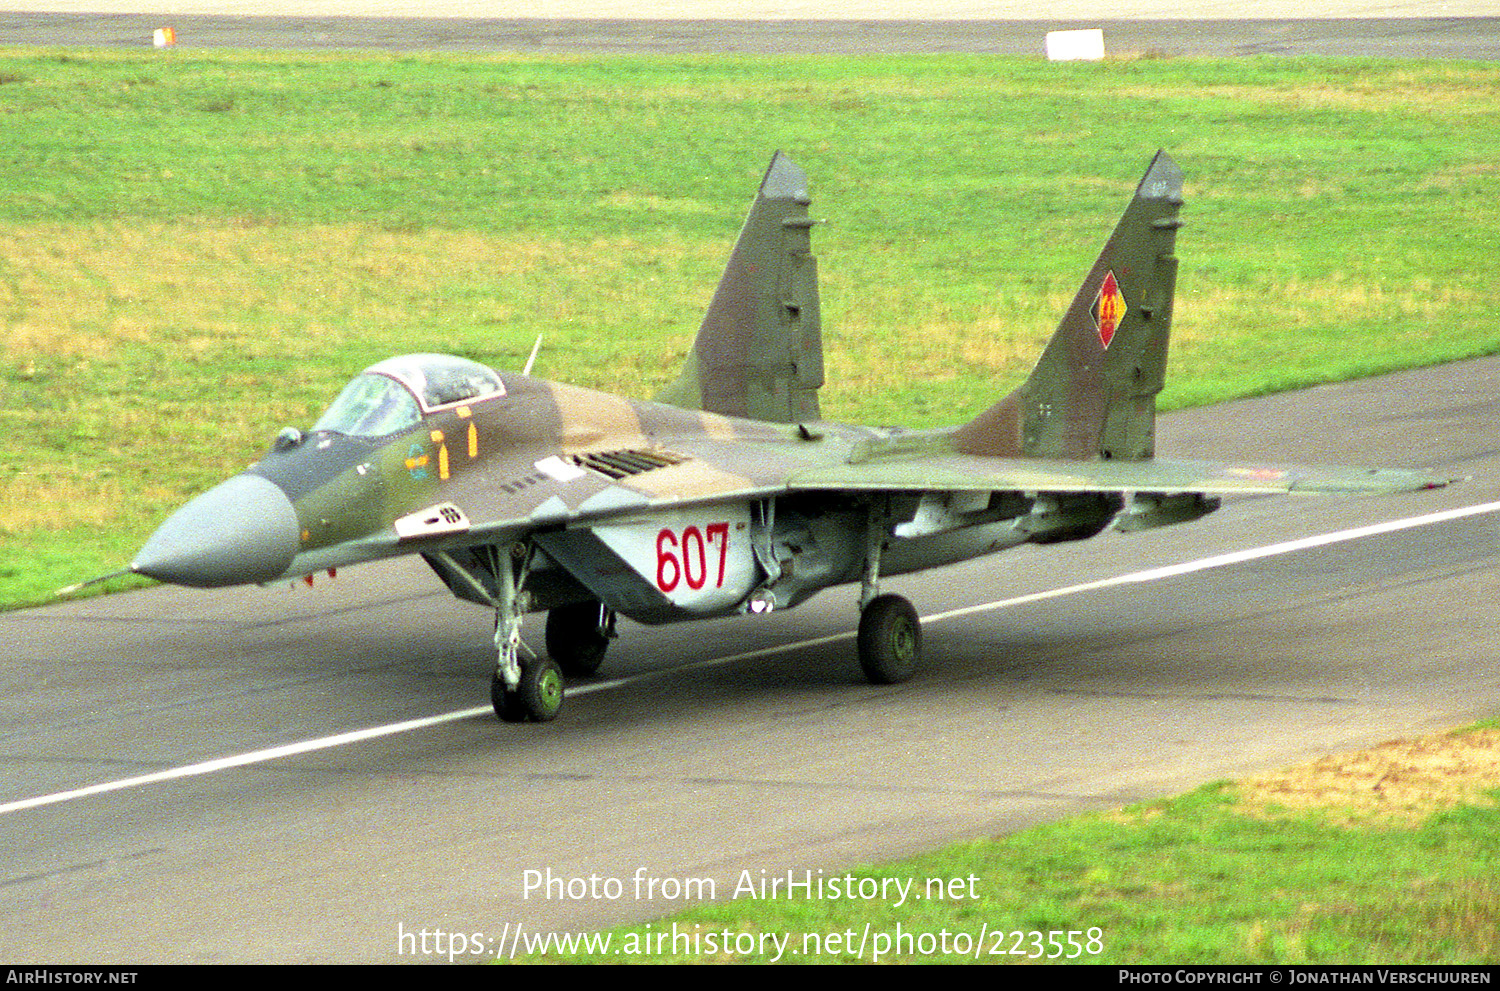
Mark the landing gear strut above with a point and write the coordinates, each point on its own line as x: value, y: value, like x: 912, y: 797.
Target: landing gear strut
x: 522, y: 689
x: 890, y: 632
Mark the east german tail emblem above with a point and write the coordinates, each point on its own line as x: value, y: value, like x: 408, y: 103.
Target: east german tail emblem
x: 1109, y: 309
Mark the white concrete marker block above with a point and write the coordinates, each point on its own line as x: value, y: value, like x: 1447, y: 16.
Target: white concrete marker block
x: 1065, y: 46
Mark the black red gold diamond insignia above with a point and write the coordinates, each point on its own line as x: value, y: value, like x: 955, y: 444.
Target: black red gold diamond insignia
x: 1109, y: 308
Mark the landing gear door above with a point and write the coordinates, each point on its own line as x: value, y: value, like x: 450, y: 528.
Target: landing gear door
x: 700, y: 559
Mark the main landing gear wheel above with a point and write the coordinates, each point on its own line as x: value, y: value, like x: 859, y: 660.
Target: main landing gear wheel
x: 578, y: 636
x: 537, y: 698
x: 890, y: 640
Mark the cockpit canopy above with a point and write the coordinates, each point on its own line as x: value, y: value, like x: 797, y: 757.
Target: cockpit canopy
x: 394, y: 394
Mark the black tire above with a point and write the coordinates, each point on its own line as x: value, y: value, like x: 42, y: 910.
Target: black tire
x: 507, y: 704
x: 890, y: 640
x: 541, y: 691
x: 574, y: 639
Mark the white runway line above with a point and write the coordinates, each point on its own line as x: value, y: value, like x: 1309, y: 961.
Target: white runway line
x: 271, y: 753
x: 393, y: 729
x: 1233, y: 557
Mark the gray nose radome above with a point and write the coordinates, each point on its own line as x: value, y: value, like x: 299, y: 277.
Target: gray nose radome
x: 238, y: 532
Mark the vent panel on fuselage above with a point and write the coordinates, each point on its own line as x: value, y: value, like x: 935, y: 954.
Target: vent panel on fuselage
x: 623, y: 464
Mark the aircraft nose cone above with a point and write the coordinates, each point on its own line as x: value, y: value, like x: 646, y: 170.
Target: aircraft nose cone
x: 238, y: 532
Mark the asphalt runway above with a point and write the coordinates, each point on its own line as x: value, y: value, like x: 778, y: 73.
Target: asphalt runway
x: 1385, y: 37
x: 683, y: 768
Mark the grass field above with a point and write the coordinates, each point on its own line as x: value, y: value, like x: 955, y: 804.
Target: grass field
x: 1386, y: 856
x: 197, y: 249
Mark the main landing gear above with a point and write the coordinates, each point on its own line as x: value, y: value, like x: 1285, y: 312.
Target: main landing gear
x: 578, y: 634
x: 890, y: 632
x: 890, y: 640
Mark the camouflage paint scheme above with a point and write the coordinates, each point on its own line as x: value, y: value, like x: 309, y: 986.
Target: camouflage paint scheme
x: 728, y: 494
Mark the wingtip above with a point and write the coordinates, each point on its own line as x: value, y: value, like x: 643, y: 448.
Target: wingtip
x: 1417, y: 482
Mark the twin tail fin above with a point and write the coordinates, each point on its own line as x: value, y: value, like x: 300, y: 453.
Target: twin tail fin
x: 759, y: 351
x: 1092, y: 396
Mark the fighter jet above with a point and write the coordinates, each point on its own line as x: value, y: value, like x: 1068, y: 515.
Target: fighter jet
x: 728, y: 494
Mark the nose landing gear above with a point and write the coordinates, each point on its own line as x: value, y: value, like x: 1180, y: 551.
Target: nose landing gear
x: 523, y: 690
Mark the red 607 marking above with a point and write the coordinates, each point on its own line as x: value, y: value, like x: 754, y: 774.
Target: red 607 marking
x: 688, y: 558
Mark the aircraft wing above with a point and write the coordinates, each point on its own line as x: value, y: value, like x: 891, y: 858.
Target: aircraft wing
x: 972, y: 473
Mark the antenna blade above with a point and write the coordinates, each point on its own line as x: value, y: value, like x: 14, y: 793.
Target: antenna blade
x: 532, y: 360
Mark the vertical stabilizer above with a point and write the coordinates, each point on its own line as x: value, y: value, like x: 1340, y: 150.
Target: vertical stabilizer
x: 1093, y: 393
x: 759, y: 351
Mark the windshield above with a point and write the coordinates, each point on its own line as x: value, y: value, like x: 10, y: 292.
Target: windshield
x: 441, y: 379
x: 393, y: 395
x: 371, y: 406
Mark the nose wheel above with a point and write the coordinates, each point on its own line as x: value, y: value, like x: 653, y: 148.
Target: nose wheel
x: 537, y: 697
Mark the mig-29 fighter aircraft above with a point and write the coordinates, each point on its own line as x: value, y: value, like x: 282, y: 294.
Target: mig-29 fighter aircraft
x: 727, y: 494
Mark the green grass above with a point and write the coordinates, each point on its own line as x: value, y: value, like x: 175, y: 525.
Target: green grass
x: 197, y: 249
x: 1217, y: 876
